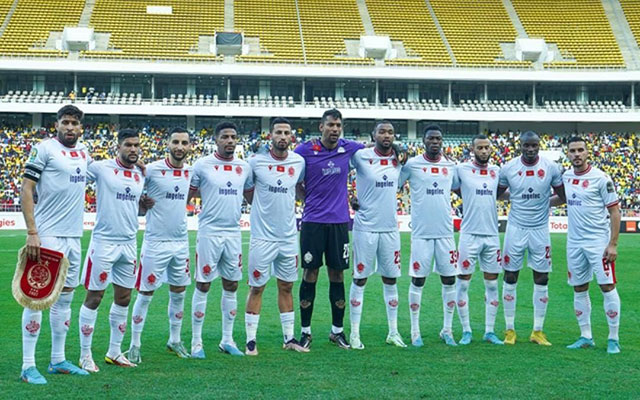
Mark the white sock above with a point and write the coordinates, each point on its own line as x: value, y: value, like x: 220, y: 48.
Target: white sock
x: 287, y: 319
x: 176, y: 312
x: 251, y: 325
x: 415, y: 301
x: 138, y: 317
x: 336, y: 329
x: 305, y: 329
x: 59, y: 320
x: 582, y: 306
x: 229, y: 306
x: 491, y: 303
x: 356, y: 298
x: 391, y: 302
x: 118, y: 323
x: 448, y: 306
x: 462, y: 300
x: 31, y: 321
x: 612, y: 309
x: 540, y: 300
x: 86, y: 323
x: 510, y: 297
x: 198, y: 308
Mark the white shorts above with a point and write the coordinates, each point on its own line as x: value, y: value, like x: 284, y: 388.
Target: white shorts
x: 70, y: 247
x: 535, y: 241
x: 425, y: 251
x: 110, y: 262
x: 163, y: 258
x: 268, y: 257
x: 219, y: 256
x: 584, y: 261
x: 376, y: 251
x: 482, y: 248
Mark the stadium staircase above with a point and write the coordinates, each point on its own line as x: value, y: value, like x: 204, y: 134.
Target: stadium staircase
x: 622, y: 14
x: 441, y: 32
x: 515, y: 20
x: 85, y: 17
x: 366, y: 18
x: 229, y: 20
x: 7, y: 8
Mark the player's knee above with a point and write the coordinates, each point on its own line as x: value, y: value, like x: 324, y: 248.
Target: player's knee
x: 335, y: 275
x: 606, y: 288
x: 203, y: 286
x: 310, y: 275
x: 540, y: 278
x: 419, y: 282
x: 93, y: 299
x: 257, y: 290
x: 448, y: 280
x: 285, y: 287
x: 229, y: 286
x: 360, y: 282
x: 464, y: 277
x: 388, y: 281
x: 511, y: 277
x: 305, y: 303
x: 148, y: 293
x: 177, y: 289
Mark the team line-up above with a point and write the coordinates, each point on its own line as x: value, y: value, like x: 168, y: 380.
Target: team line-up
x: 317, y: 171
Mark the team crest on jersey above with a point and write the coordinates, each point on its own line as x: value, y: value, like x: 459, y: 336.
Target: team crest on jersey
x: 424, y: 169
x: 270, y: 167
x: 540, y: 173
x: 163, y: 172
x: 216, y: 167
x: 64, y: 153
x: 316, y: 148
x: 291, y: 171
x: 360, y: 267
x: 33, y: 154
x: 308, y: 257
x: 493, y: 174
x: 585, y: 184
x: 341, y: 149
x: 519, y: 173
x: 136, y: 178
x: 445, y: 171
x: 103, y: 277
x: 239, y: 170
x: 206, y: 270
x: 115, y: 171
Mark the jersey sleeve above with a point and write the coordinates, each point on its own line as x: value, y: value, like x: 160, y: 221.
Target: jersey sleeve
x: 503, y: 180
x: 608, y: 192
x: 249, y: 183
x: 556, y: 178
x: 455, y: 178
x: 405, y: 173
x: 302, y: 171
x: 195, y: 176
x: 37, y: 162
x: 93, y: 170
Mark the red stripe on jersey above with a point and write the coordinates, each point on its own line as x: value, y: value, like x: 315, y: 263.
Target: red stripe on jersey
x: 615, y: 203
x: 139, y: 275
x: 191, y: 187
x: 613, y: 271
x: 87, y: 278
x: 583, y: 172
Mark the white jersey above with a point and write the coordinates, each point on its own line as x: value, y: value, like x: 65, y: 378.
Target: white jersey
x: 430, y: 182
x: 478, y: 186
x: 118, y: 192
x: 273, y: 211
x: 169, y: 187
x: 530, y: 190
x: 222, y: 184
x: 376, y: 184
x: 589, y: 195
x: 60, y: 174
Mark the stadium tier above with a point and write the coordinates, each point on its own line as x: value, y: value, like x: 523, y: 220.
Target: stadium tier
x: 632, y: 12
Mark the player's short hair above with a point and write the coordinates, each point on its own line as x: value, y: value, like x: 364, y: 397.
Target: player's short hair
x: 70, y: 110
x: 478, y: 137
x: 333, y: 113
x: 529, y: 135
x: 279, y: 120
x: 126, y: 134
x: 381, y: 122
x: 576, y: 138
x: 225, y: 125
x: 431, y: 127
x: 179, y: 129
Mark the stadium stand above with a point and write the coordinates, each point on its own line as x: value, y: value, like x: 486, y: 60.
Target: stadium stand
x: 136, y: 34
x: 579, y: 27
x: 271, y: 21
x: 474, y: 30
x: 325, y: 26
x: 631, y: 10
x: 409, y: 21
x: 32, y: 22
x: 592, y: 106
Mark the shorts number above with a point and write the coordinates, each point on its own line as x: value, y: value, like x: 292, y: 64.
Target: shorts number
x: 498, y: 259
x: 454, y: 256
x: 396, y: 256
x: 606, y: 266
x: 345, y: 252
x: 547, y: 252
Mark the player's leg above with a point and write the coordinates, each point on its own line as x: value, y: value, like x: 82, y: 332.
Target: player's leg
x: 60, y: 312
x: 446, y: 259
x: 515, y: 240
x: 124, y: 278
x: 468, y: 248
x: 389, y: 267
x: 179, y: 278
x: 230, y: 268
x: 252, y: 318
x: 313, y: 242
x: 337, y: 256
x: 419, y: 268
x: 208, y: 253
x: 490, y: 265
x: 580, y: 274
x: 539, y: 254
x: 364, y: 256
x: 31, y: 324
x: 606, y: 277
x: 285, y: 268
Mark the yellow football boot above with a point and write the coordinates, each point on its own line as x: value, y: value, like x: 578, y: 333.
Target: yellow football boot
x: 540, y: 338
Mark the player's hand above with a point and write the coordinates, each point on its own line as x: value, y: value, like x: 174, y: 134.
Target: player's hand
x: 147, y: 202
x: 355, y: 204
x: 140, y: 164
x: 611, y: 253
x: 401, y: 153
x: 33, y: 247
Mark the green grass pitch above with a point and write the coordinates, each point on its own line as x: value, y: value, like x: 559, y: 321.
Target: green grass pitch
x: 434, y: 371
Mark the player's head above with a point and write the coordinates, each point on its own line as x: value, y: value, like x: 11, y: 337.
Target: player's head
x: 281, y: 134
x: 529, y: 146
x: 226, y: 135
x: 69, y: 125
x: 331, y: 126
x: 432, y: 140
x: 128, y: 146
x: 482, y: 149
x: 383, y: 135
x: 577, y: 152
x: 179, y: 143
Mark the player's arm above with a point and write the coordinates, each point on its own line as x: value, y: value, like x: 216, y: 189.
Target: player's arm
x: 556, y: 201
x: 28, y: 206
x: 559, y: 191
x: 193, y: 193
x: 248, y: 195
x: 611, y: 252
x: 505, y: 195
x: 300, y: 191
x: 501, y: 191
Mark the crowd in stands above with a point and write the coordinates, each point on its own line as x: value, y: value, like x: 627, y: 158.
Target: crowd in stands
x: 617, y: 154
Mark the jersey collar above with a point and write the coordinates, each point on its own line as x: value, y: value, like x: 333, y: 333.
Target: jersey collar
x: 120, y: 164
x: 275, y: 157
x: 479, y: 165
x: 68, y: 147
x: 430, y: 160
x: 586, y: 171
x: 382, y: 155
x: 166, y: 160
x: 219, y: 157
x: 526, y: 164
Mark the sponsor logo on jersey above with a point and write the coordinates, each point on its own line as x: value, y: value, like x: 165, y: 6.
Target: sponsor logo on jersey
x: 385, y: 183
x: 127, y: 195
x: 279, y: 188
x: 176, y: 195
x: 434, y: 170
x: 483, y: 172
x: 78, y: 178
x: 573, y: 201
x: 436, y: 191
x: 229, y: 191
x: 341, y: 149
x: 484, y: 191
x: 530, y: 195
x: 308, y: 257
x: 331, y: 169
x: 127, y: 174
x: 73, y: 154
